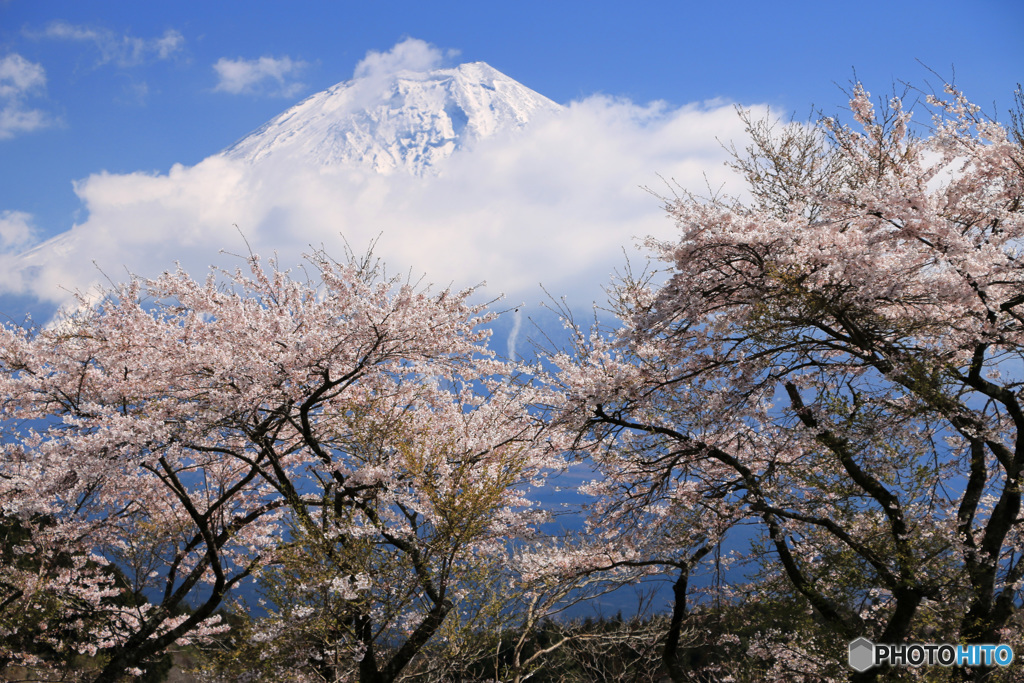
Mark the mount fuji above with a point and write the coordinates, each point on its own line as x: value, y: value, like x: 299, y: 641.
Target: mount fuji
x: 410, y: 122
x: 459, y: 176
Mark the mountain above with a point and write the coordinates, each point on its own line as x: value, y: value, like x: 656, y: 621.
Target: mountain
x: 285, y: 185
x: 407, y: 121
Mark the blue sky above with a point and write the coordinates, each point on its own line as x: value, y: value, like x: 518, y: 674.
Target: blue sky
x: 127, y: 87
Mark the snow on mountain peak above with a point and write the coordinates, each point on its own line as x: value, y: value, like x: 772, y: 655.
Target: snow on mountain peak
x: 406, y: 120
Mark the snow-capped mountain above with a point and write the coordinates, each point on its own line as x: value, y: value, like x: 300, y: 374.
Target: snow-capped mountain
x: 408, y: 122
x: 460, y: 175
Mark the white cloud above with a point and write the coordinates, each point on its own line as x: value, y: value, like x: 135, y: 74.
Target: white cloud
x: 555, y: 203
x: 410, y: 54
x: 375, y: 71
x: 62, y: 30
x: 16, y: 233
x: 16, y: 229
x: 123, y: 50
x: 19, y: 80
x: 166, y: 45
x: 18, y: 76
x: 265, y: 75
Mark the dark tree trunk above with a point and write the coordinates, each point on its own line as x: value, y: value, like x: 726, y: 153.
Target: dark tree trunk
x: 672, y: 657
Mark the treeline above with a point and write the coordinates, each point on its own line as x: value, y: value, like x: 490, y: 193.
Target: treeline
x: 737, y: 642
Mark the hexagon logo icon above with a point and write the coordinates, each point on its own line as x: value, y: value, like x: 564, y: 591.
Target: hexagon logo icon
x: 862, y: 654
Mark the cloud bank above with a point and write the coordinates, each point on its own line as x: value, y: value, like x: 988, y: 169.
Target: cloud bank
x: 555, y: 203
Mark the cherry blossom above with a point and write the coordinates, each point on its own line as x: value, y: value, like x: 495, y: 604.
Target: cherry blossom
x: 838, y: 358
x: 175, y: 439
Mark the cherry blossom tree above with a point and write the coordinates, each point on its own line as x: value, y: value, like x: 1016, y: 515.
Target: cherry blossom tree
x: 838, y: 356
x: 639, y: 525
x: 191, y: 434
x: 433, y: 494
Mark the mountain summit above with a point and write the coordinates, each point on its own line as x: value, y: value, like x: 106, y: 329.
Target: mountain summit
x: 406, y: 121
